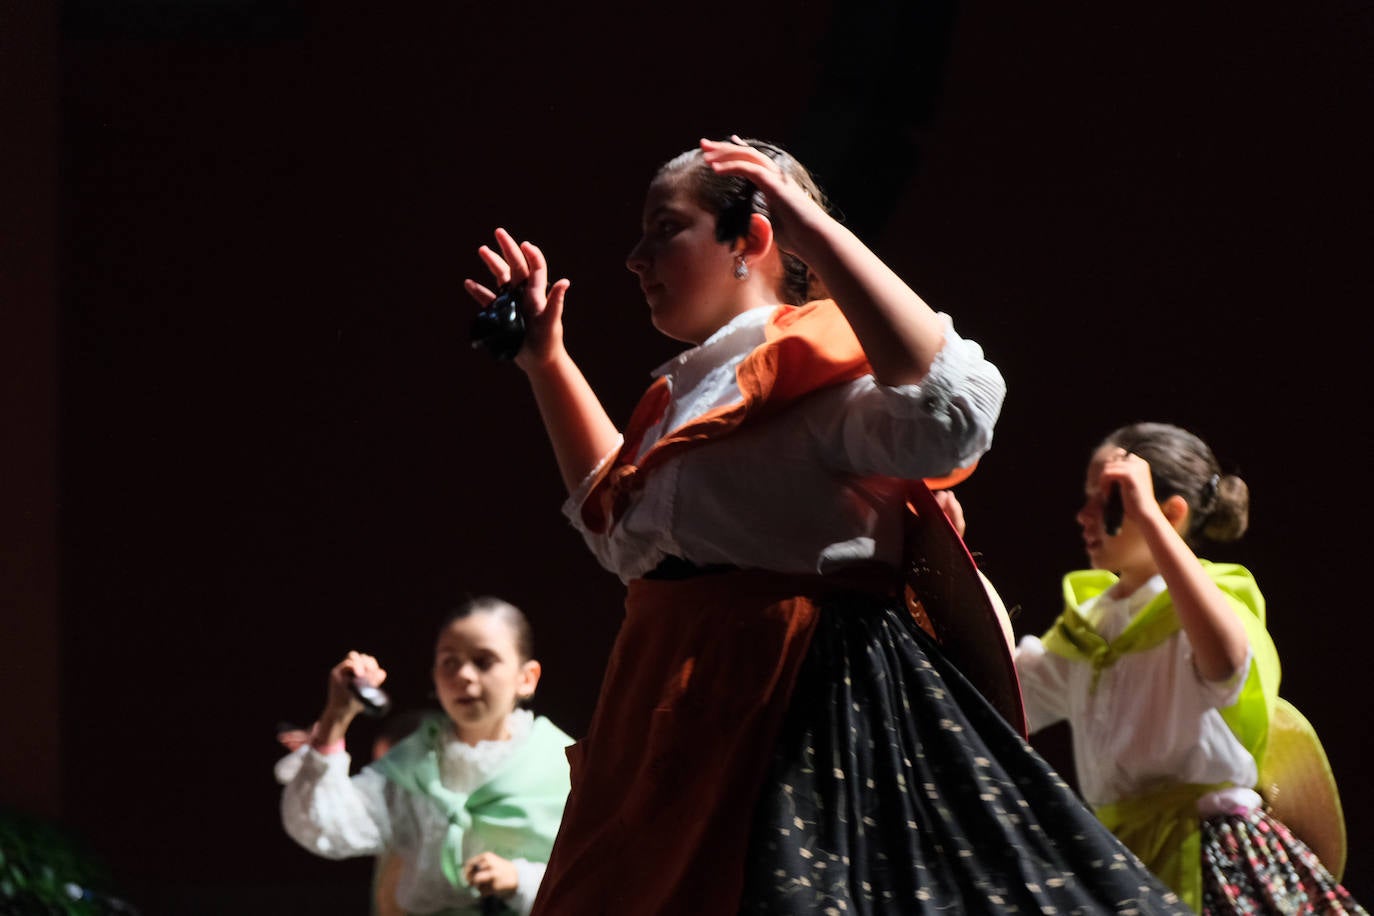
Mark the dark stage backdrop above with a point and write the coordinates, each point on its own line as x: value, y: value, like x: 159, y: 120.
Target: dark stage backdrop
x: 276, y: 444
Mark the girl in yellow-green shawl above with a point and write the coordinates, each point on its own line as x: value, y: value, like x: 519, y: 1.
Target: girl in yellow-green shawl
x: 1162, y: 666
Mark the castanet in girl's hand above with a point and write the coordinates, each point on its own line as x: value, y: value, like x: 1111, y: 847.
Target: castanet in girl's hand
x: 499, y: 328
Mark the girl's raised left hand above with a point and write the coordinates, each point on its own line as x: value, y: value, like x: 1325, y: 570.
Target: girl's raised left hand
x: 523, y: 262
x: 1132, y: 474
x: 790, y: 208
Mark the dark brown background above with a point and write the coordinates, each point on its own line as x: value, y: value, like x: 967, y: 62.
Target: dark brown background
x: 244, y: 431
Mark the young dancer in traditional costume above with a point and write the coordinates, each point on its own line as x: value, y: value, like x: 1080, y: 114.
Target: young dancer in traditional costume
x: 1162, y: 666
x: 470, y: 801
x: 774, y: 733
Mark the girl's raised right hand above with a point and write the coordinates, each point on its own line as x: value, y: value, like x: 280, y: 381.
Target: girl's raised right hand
x: 341, y: 700
x: 542, y: 305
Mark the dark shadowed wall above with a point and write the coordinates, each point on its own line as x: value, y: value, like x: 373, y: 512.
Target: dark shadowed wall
x: 275, y: 443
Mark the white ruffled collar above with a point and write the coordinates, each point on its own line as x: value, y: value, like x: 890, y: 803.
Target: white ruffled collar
x: 726, y: 343
x: 1110, y: 616
x: 463, y: 767
x: 703, y: 378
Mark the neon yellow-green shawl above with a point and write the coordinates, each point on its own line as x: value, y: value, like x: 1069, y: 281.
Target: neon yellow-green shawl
x: 1162, y: 828
x: 515, y: 813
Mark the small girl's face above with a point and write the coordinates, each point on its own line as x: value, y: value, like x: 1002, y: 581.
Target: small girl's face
x: 686, y: 275
x: 479, y: 676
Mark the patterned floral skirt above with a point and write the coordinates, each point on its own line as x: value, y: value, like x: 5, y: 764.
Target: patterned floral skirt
x: 897, y: 789
x: 1253, y: 864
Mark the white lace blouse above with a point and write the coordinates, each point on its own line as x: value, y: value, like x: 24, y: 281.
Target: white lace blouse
x: 339, y: 817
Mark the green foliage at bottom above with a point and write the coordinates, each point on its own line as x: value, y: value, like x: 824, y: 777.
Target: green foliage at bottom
x: 46, y: 871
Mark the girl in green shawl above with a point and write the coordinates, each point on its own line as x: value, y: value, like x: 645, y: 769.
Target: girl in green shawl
x: 1162, y: 666
x: 470, y: 802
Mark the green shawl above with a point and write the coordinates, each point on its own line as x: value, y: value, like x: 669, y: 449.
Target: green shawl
x: 515, y: 813
x: 1162, y: 828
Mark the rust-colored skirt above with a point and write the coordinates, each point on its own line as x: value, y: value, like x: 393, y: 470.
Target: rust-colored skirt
x: 665, y: 782
x: 775, y: 744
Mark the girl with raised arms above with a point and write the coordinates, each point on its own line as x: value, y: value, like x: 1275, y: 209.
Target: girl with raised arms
x: 774, y: 733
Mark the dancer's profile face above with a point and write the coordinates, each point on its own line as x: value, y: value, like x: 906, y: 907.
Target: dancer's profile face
x: 479, y: 676
x: 687, y: 276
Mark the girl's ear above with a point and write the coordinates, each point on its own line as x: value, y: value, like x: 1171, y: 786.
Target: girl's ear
x: 758, y: 241
x: 529, y: 679
x: 1176, y: 510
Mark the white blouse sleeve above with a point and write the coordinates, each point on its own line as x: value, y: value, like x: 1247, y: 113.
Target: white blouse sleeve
x: 923, y: 430
x: 531, y: 874
x: 572, y: 506
x: 1044, y: 683
x: 287, y: 767
x: 332, y: 815
x: 1220, y: 694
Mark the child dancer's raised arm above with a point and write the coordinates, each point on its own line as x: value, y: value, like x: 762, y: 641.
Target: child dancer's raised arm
x: 579, y: 429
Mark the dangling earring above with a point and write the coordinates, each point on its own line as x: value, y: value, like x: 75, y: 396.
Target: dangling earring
x: 741, y: 268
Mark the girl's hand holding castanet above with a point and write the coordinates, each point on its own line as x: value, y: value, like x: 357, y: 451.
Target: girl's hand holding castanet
x: 542, y: 306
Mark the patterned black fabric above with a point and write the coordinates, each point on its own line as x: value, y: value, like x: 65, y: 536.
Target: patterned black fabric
x: 897, y: 789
